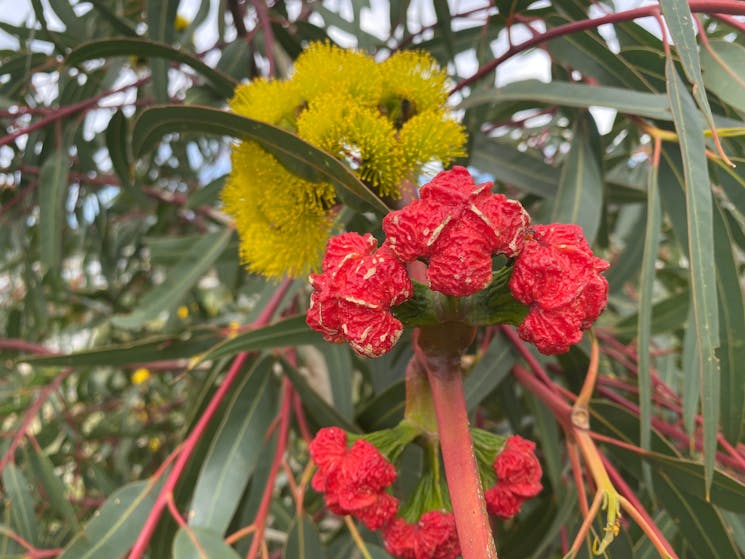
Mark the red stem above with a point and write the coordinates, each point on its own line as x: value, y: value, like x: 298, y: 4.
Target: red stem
x: 734, y: 7
x: 143, y: 539
x: 266, y: 499
x: 438, y: 349
x: 67, y: 110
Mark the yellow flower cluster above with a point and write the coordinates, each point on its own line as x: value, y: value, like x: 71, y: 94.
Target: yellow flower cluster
x: 385, y: 121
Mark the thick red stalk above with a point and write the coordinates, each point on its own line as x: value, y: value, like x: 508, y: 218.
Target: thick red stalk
x: 438, y: 348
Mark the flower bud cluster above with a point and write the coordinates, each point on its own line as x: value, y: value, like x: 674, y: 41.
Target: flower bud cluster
x: 518, y: 478
x: 456, y: 228
x: 354, y: 481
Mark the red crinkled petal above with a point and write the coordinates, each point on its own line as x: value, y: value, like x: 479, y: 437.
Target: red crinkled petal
x: 453, y: 188
x: 365, y: 467
x: 438, y: 537
x: 461, y: 264
x: 328, y: 447
x: 345, y: 247
x: 323, y: 312
x: 500, y: 221
x: 378, y: 514
x: 551, y: 331
x: 518, y: 469
x: 501, y: 502
x: 412, y: 231
x: 370, y: 332
x: 399, y: 539
x: 593, y: 300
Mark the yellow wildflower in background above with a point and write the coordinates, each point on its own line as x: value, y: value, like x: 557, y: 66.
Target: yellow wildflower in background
x: 140, y: 375
x: 283, y: 221
x: 385, y: 121
x: 180, y: 23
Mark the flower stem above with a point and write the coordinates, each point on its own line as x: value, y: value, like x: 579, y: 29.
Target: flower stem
x: 439, y: 349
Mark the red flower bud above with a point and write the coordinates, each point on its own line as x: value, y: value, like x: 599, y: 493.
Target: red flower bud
x: 353, y: 480
x: 518, y: 478
x: 559, y: 277
x: 502, y: 502
x: 353, y: 295
x: 457, y: 226
x: 433, y: 537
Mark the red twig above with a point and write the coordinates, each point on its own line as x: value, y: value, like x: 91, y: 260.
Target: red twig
x: 143, y: 539
x: 66, y: 111
x: 734, y: 7
x: 15, y: 344
x: 732, y: 22
x: 30, y: 414
x: 263, y: 512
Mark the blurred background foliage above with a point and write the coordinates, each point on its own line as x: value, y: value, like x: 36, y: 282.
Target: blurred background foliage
x: 123, y: 303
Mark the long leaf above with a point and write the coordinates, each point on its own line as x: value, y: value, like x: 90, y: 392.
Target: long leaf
x: 20, y: 503
x: 234, y: 452
x: 578, y: 95
x: 701, y: 253
x: 491, y: 369
x: 651, y: 246
x: 181, y: 278
x: 723, y: 65
x: 201, y: 543
x: 313, y: 163
x: 303, y: 541
x: 580, y: 195
x: 103, y: 48
x: 52, y: 190
x: 114, y: 527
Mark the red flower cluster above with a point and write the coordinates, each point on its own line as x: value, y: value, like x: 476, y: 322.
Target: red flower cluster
x: 353, y: 480
x: 456, y: 227
x: 353, y: 295
x: 559, y: 277
x: 433, y: 537
x: 518, y: 478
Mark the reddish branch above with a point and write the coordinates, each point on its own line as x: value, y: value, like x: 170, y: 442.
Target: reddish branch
x: 188, y: 446
x: 718, y: 7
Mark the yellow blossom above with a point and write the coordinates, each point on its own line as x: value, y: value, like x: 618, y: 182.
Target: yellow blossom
x: 412, y: 84
x: 323, y: 67
x: 357, y: 135
x: 273, y: 101
x: 283, y: 221
x: 180, y: 23
x: 154, y: 444
x: 431, y: 136
x: 183, y: 312
x: 140, y: 375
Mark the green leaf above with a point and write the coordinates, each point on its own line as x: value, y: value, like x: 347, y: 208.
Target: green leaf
x: 679, y: 21
x: 385, y: 410
x: 317, y: 408
x: 155, y: 348
x: 723, y: 65
x: 646, y: 291
x: 103, y: 48
x: 339, y: 366
x: 234, y: 452
x: 288, y: 332
x: 160, y: 16
x: 701, y: 253
x: 490, y: 370
x: 201, y: 543
x: 578, y: 95
x: 507, y: 164
x: 18, y: 499
x: 53, y: 487
x: 120, y: 24
x: 303, y: 541
x: 444, y: 26
x: 117, y: 133
x: 580, y: 196
x: 52, y: 191
x: 732, y: 329
x: 181, y: 278
x: 115, y: 526
x: 315, y: 164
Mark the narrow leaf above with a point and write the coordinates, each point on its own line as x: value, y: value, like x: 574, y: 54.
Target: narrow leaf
x: 103, y: 48
x: 580, y: 195
x: 491, y: 369
x: 314, y: 164
x: 181, y: 278
x: 114, y: 527
x: 117, y: 133
x: 54, y: 489
x: 701, y: 253
x: 646, y: 281
x: 578, y: 95
x: 234, y: 452
x: 723, y: 65
x: 201, y: 543
x: 18, y: 499
x: 52, y: 191
x: 303, y: 541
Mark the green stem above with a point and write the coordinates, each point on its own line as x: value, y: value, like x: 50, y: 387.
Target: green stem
x: 439, y: 349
